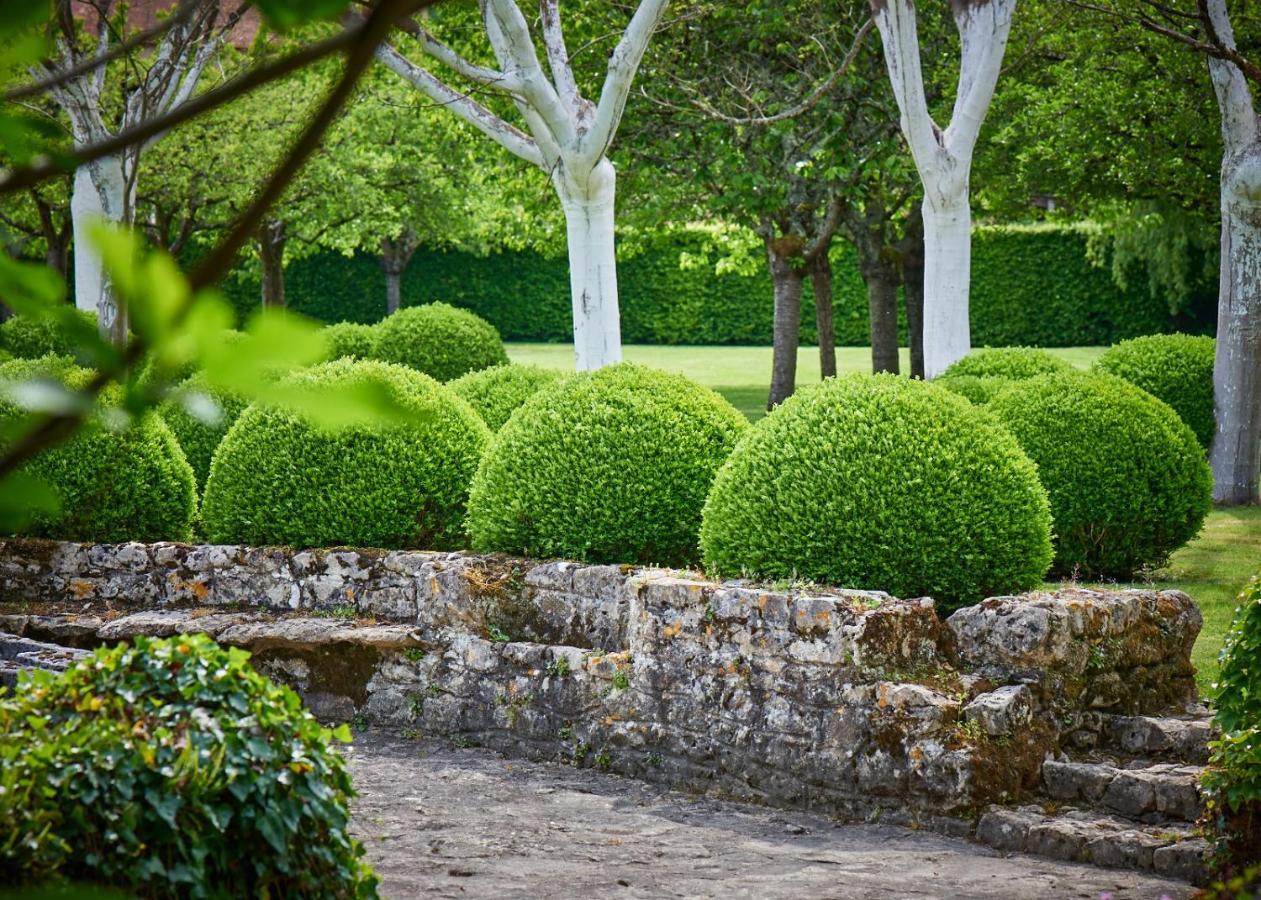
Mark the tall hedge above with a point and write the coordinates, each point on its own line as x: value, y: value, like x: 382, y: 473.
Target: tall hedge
x: 1030, y: 285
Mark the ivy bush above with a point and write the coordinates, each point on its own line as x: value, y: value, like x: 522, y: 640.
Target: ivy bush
x: 351, y: 339
x: 439, y: 340
x: 607, y: 466
x: 128, y: 485
x: 883, y: 483
x: 496, y: 393
x: 1127, y: 479
x: 27, y: 338
x: 171, y: 768
x: 1177, y: 368
x: 1013, y: 363
x: 198, y: 437
x: 278, y: 479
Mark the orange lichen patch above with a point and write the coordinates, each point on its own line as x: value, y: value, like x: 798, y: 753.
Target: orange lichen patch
x: 669, y: 632
x: 882, y: 695
x: 822, y: 617
x: 80, y: 587
x: 916, y: 754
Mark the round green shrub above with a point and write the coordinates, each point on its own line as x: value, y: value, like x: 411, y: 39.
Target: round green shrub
x: 881, y: 483
x: 28, y: 338
x: 1177, y: 368
x: 1015, y: 363
x: 129, y: 485
x: 439, y: 340
x: 197, y: 437
x: 606, y: 466
x: 496, y: 393
x: 979, y: 389
x: 171, y: 768
x: 1128, y: 482
x: 351, y: 339
x: 159, y: 377
x: 279, y: 479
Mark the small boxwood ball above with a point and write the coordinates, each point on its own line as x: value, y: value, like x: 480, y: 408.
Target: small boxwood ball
x: 277, y: 478
x: 1177, y: 368
x: 607, y: 466
x: 439, y: 340
x: 497, y: 392
x: 129, y: 485
x: 882, y: 483
x: 351, y: 339
x: 1014, y: 363
x: 27, y: 338
x: 197, y: 437
x: 1127, y: 479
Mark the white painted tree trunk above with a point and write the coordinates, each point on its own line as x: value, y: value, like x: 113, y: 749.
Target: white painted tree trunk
x: 947, y: 276
x: 100, y: 194
x: 589, y: 215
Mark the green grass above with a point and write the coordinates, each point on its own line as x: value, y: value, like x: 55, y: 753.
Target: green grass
x: 1212, y: 568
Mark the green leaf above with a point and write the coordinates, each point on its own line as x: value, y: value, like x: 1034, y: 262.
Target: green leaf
x: 24, y: 497
x: 286, y: 14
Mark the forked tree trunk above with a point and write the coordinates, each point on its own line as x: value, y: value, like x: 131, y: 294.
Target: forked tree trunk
x: 100, y: 194
x: 824, y: 314
x: 913, y: 290
x: 589, y: 207
x: 787, y: 279
x: 271, y: 255
x: 396, y: 253
x: 947, y: 269
x: 882, y: 311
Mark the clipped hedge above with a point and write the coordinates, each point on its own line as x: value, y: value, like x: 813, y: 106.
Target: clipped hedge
x: 1014, y: 363
x: 439, y: 340
x: 607, y: 466
x: 278, y: 479
x: 171, y: 768
x: 882, y: 483
x: 26, y: 338
x: 351, y: 339
x: 198, y: 437
x: 1127, y: 479
x: 496, y: 393
x: 130, y: 485
x: 1177, y: 368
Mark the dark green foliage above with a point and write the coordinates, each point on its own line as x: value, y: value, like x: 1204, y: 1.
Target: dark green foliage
x: 277, y: 479
x: 1029, y: 286
x: 882, y: 483
x: 1177, y: 368
x: 129, y: 485
x: 1127, y: 479
x: 1232, y: 781
x: 171, y: 768
x: 439, y: 340
x: 497, y: 392
x: 196, y: 437
x: 27, y: 338
x: 351, y: 339
x: 979, y: 389
x: 1013, y: 363
x: 608, y: 466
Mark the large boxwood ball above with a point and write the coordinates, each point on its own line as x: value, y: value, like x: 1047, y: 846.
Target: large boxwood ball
x: 439, y: 340
x: 607, y: 466
x: 980, y: 389
x: 497, y: 392
x: 351, y: 339
x: 1177, y: 368
x: 1008, y: 362
x: 28, y: 338
x: 197, y: 435
x: 882, y: 483
x: 1127, y: 479
x: 277, y: 478
x: 128, y: 485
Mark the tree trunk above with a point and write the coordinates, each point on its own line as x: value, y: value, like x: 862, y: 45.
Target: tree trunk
x: 1236, y: 451
x: 824, y: 317
x: 787, y: 279
x: 396, y: 253
x: 271, y: 254
x: 913, y: 290
x: 588, y: 209
x: 882, y: 313
x: 99, y: 194
x: 947, y: 272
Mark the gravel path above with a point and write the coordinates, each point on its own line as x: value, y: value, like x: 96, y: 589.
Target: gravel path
x: 447, y: 822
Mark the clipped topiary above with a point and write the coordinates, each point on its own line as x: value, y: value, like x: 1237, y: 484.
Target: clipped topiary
x: 979, y: 389
x: 197, y: 437
x: 496, y: 393
x: 1015, y: 363
x: 279, y: 479
x: 129, y: 485
x: 171, y: 768
x: 607, y: 466
x: 1128, y: 481
x: 439, y: 340
x: 882, y: 483
x: 27, y: 338
x: 1177, y: 368
x: 351, y: 339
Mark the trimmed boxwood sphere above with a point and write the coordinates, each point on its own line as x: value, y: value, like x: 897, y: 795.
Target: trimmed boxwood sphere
x: 1177, y: 368
x: 278, y: 479
x: 351, y: 339
x: 199, y: 439
x: 882, y: 483
x: 607, y: 466
x: 28, y: 338
x: 496, y: 393
x: 130, y: 485
x: 439, y: 340
x: 1008, y: 362
x: 1127, y: 479
x: 979, y: 389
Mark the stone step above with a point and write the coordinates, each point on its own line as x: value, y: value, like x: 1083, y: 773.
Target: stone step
x: 1160, y: 792
x: 1174, y: 738
x: 1087, y: 836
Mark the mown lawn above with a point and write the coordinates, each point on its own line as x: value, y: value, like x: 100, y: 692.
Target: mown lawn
x: 1212, y: 568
